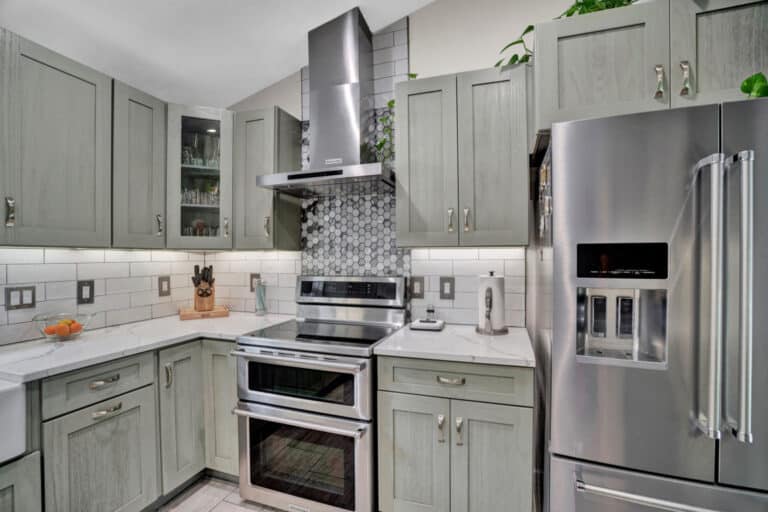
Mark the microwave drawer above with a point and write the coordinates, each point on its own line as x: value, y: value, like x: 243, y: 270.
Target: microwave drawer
x: 64, y: 393
x: 465, y: 381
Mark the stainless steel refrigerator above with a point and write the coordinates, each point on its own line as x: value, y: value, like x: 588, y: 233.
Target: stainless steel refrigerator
x: 658, y: 395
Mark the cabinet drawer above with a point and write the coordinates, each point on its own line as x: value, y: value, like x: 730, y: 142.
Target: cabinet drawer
x: 71, y: 391
x: 479, y: 382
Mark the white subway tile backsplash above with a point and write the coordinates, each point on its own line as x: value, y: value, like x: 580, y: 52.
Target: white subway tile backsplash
x: 401, y: 37
x: 101, y: 270
x: 158, y: 255
x: 477, y: 267
x: 125, y: 316
x: 61, y: 290
x: 121, y: 256
x: 106, y: 303
x: 74, y: 255
x: 230, y: 278
x: 383, y: 70
x: 128, y: 284
x: 505, y: 253
x: 53, y: 306
x: 514, y: 267
x: 147, y: 298
x: 150, y: 269
x: 185, y: 267
x: 401, y: 67
x: 432, y: 268
x: 453, y: 254
x: 21, y: 255
x: 245, y: 266
x: 41, y: 272
x: 279, y: 266
x: 383, y: 40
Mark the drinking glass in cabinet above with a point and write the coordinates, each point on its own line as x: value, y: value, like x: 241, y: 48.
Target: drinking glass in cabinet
x: 200, y: 176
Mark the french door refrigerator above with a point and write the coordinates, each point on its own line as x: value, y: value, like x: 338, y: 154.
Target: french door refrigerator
x: 659, y: 397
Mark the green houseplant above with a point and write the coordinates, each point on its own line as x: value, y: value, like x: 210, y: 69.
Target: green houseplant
x: 755, y: 86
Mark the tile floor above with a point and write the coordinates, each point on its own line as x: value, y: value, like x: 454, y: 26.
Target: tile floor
x: 212, y: 495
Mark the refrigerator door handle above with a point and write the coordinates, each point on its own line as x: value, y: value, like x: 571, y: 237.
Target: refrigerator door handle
x: 745, y: 160
x: 638, y: 499
x: 710, y: 422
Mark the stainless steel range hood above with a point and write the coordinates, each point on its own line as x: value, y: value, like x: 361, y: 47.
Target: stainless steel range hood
x: 340, y: 111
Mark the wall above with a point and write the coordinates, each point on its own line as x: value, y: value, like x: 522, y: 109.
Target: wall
x: 286, y: 94
x: 449, y: 36
x: 126, y: 283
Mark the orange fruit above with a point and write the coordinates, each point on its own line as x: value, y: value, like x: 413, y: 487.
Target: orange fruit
x: 62, y: 330
x: 75, y: 327
x: 50, y: 330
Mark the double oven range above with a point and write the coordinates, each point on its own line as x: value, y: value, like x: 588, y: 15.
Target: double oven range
x: 306, y: 392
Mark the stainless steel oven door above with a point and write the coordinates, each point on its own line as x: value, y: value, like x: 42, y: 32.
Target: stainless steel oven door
x: 339, y: 386
x: 304, y: 462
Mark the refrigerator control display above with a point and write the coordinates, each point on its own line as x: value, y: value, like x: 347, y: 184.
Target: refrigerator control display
x: 622, y: 261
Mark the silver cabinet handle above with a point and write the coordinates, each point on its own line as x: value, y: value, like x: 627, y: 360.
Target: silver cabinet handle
x: 450, y: 220
x: 459, y: 431
x: 440, y: 425
x: 466, y: 219
x: 296, y: 362
x: 98, y: 384
x: 226, y: 227
x: 159, y: 219
x: 103, y: 413
x: 451, y: 381
x: 685, y: 67
x: 266, y: 225
x: 10, y: 212
x: 638, y: 499
x: 710, y: 422
x: 746, y: 162
x: 168, y: 375
x: 356, y: 432
x: 659, y: 94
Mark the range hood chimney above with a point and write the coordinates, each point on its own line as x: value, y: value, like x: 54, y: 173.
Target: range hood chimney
x: 340, y: 111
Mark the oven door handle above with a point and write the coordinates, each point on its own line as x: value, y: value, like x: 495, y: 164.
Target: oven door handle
x: 356, y: 432
x: 309, y: 364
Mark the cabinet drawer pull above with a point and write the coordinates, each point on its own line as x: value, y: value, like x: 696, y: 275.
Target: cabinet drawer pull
x: 466, y: 219
x: 98, y: 415
x: 10, y: 212
x: 226, y: 227
x: 168, y: 375
x: 459, y: 431
x: 440, y: 425
x: 451, y: 381
x: 659, y: 94
x: 98, y: 384
x: 450, y: 220
x: 685, y: 66
x: 159, y: 219
x: 266, y: 225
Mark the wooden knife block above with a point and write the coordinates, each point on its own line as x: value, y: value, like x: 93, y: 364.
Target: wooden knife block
x: 205, y: 303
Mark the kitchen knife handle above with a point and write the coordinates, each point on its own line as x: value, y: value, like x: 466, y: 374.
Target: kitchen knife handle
x: 659, y: 94
x: 745, y: 160
x: 450, y: 220
x: 685, y: 67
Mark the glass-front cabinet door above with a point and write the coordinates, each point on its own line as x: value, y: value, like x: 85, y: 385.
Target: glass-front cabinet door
x: 199, y: 178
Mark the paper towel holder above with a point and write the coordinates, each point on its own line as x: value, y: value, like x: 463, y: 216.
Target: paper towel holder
x: 485, y: 298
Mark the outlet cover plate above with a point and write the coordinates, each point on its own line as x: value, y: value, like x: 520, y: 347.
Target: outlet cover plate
x: 15, y: 295
x: 85, y: 292
x: 164, y: 286
x: 447, y: 288
x: 417, y: 287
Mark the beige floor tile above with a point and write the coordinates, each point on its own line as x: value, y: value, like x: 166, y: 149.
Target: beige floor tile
x: 203, y: 496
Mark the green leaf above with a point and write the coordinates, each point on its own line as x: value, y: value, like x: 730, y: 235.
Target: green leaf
x: 527, y: 31
x: 513, y: 43
x: 760, y: 91
x: 525, y: 58
x: 391, y: 104
x: 411, y: 76
x: 513, y: 59
x: 498, y: 63
x: 749, y: 85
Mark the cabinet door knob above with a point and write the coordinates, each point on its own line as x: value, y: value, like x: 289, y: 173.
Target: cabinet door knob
x: 159, y: 219
x: 459, y: 431
x: 659, y: 94
x: 466, y: 220
x: 10, y: 212
x: 266, y: 225
x: 685, y: 66
x: 450, y: 220
x: 440, y: 425
x: 226, y: 227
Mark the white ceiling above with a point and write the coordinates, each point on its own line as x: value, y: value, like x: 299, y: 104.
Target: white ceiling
x: 196, y: 52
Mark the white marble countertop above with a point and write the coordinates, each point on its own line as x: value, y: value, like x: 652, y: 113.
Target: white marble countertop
x: 461, y: 343
x: 32, y: 360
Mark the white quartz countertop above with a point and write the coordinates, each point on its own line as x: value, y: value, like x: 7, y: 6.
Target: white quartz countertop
x: 32, y: 360
x: 461, y: 343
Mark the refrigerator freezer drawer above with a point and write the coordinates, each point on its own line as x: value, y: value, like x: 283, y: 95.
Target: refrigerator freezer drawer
x: 582, y: 487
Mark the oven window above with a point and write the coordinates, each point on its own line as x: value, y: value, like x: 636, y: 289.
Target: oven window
x: 318, y: 385
x: 301, y: 462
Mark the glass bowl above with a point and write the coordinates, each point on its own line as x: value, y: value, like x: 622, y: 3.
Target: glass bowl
x: 61, y: 326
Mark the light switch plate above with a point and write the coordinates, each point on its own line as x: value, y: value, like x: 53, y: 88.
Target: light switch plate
x: 164, y: 286
x: 253, y: 279
x: 417, y: 287
x: 447, y: 288
x: 85, y: 292
x: 20, y: 297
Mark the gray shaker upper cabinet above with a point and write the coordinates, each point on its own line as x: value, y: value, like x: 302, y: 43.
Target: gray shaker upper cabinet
x: 493, y: 157
x: 714, y: 46
x: 426, y: 162
x: 266, y: 141
x: 199, y: 178
x: 138, y: 169
x: 55, y: 138
x: 601, y: 64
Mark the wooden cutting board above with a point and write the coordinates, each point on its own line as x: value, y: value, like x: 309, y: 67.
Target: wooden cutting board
x: 191, y: 314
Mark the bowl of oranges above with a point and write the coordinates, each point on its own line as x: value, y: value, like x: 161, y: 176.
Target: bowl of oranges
x: 61, y: 326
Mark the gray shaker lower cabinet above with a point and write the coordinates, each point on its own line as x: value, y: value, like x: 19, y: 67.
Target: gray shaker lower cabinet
x: 20, y: 488
x: 182, y: 432
x: 138, y: 176
x: 103, y: 458
x: 220, y: 397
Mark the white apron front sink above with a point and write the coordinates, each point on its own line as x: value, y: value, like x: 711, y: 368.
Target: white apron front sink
x: 13, y: 420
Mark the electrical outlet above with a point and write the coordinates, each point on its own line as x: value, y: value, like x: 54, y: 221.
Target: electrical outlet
x: 164, y: 286
x: 20, y: 297
x: 447, y: 288
x: 417, y: 287
x: 253, y: 279
x: 85, y: 292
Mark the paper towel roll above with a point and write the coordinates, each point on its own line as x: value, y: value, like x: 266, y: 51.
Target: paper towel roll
x: 490, y: 292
